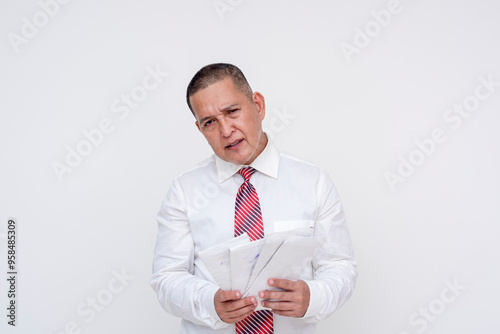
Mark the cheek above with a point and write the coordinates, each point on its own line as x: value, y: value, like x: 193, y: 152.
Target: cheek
x: 249, y: 126
x: 255, y: 127
x: 213, y: 142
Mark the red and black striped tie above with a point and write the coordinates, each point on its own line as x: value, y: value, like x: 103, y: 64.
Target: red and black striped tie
x: 248, y: 218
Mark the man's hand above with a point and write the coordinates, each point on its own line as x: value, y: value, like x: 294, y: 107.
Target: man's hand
x: 230, y: 308
x: 290, y: 303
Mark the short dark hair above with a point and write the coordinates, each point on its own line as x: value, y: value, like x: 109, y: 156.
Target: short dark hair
x: 213, y: 73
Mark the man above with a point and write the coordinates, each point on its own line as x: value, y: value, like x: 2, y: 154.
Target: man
x: 246, y: 186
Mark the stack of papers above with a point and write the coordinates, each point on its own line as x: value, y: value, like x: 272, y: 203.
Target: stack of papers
x: 239, y: 264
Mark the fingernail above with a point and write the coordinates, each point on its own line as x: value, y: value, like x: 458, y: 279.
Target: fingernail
x: 238, y: 295
x: 271, y: 282
x: 261, y: 294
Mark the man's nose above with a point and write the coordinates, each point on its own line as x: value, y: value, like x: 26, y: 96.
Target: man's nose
x: 226, y: 127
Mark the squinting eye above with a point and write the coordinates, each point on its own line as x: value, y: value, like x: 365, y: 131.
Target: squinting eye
x: 207, y: 123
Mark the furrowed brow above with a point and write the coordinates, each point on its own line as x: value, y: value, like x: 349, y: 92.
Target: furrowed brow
x: 229, y: 107
x: 226, y: 108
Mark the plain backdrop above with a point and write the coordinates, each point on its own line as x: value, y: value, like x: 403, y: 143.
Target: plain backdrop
x: 427, y: 246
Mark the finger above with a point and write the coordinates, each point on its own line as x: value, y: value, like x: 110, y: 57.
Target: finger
x: 276, y: 295
x: 241, y: 303
x: 282, y: 283
x: 234, y: 311
x: 285, y: 309
x: 241, y: 313
x: 233, y: 308
x: 235, y: 319
x: 278, y: 305
x: 224, y: 296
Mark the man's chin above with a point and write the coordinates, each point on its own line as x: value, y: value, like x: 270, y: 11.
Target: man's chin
x: 236, y: 159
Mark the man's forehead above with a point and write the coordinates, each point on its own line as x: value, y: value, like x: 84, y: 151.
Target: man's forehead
x: 217, y: 97
x: 225, y: 84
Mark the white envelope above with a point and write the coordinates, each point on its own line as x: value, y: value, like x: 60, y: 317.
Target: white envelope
x: 217, y: 260
x: 243, y: 259
x: 289, y: 262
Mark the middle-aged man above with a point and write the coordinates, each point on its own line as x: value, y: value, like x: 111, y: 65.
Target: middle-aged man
x: 247, y: 186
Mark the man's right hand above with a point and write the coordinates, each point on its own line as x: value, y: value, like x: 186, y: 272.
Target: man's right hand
x: 230, y: 308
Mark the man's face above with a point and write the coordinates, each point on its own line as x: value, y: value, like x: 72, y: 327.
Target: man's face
x: 230, y: 122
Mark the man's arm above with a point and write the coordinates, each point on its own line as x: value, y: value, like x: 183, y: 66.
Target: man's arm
x: 334, y: 265
x: 179, y: 292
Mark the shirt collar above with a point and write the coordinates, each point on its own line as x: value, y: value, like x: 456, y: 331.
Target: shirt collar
x: 267, y: 162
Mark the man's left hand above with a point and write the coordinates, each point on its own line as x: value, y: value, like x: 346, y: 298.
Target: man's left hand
x: 293, y: 302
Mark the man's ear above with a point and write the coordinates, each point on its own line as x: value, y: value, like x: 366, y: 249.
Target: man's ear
x: 197, y: 125
x: 260, y: 104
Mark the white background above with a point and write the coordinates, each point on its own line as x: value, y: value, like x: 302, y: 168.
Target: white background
x: 352, y: 118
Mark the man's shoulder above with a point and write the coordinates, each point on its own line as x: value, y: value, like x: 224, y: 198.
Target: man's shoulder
x: 202, y: 168
x: 303, y: 172
x: 293, y: 162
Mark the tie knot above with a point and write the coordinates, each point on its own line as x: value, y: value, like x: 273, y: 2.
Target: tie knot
x: 246, y: 172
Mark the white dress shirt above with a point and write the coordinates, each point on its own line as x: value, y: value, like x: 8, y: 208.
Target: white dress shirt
x: 198, y: 212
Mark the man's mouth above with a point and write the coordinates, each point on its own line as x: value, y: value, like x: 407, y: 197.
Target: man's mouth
x: 234, y: 144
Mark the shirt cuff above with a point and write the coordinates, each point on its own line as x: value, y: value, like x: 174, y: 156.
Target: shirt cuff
x: 317, y: 298
x: 210, y: 304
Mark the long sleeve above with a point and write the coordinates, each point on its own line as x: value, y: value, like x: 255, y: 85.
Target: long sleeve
x: 334, y: 264
x: 179, y: 292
